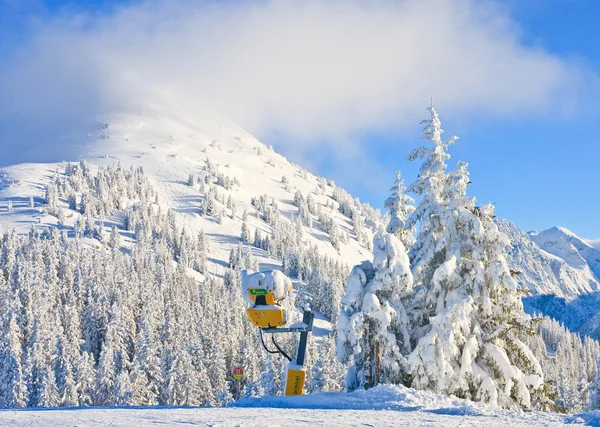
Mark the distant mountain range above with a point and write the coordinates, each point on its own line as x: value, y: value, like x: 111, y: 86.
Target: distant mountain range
x: 562, y: 271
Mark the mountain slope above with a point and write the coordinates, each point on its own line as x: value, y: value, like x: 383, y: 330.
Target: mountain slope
x: 560, y: 271
x: 170, y: 145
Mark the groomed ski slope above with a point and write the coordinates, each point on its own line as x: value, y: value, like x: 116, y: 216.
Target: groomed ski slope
x: 380, y: 406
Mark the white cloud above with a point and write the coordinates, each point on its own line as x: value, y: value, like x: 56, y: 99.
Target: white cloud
x: 308, y: 70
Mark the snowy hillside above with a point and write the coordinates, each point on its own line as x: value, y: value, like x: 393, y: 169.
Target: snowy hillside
x: 170, y: 146
x: 379, y: 406
x: 154, y: 222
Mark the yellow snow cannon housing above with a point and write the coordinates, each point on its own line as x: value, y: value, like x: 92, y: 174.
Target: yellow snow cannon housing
x: 265, y: 312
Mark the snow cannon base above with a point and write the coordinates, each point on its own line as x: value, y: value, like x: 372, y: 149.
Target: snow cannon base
x: 267, y: 316
x: 294, y: 381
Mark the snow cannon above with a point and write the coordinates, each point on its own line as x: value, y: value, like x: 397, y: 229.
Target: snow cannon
x: 264, y: 291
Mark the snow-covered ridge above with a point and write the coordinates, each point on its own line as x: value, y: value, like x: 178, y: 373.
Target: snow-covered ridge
x: 561, y: 271
x: 552, y: 262
x: 567, y: 245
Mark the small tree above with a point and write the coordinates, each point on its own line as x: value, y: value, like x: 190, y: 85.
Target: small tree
x: 594, y: 390
x: 245, y: 233
x: 399, y: 207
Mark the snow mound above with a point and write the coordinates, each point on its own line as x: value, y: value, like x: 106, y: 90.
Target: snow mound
x: 382, y: 397
x: 411, y: 407
x: 270, y: 280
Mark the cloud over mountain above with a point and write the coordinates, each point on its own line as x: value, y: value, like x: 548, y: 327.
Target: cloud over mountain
x: 309, y: 71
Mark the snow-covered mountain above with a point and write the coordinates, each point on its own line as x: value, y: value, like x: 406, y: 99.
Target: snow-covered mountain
x: 170, y: 145
x: 572, y: 249
x: 561, y: 271
x: 549, y: 264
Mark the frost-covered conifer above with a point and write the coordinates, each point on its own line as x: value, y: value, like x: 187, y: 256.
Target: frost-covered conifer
x: 209, y: 204
x: 431, y: 187
x: 201, y: 252
x: 399, y: 207
x: 115, y: 239
x: 13, y: 387
x: 468, y: 306
x: 245, y: 233
x: 594, y: 391
x: 72, y: 201
x: 373, y: 316
x: 327, y: 373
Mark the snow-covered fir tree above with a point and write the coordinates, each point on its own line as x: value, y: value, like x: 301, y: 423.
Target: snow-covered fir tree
x: 245, y: 232
x: 430, y: 186
x: 468, y: 302
x: 399, y: 206
x: 373, y: 326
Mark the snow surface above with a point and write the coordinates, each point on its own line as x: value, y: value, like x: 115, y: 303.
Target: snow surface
x: 383, y: 405
x: 270, y: 280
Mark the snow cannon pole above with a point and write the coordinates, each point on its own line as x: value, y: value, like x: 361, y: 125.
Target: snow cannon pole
x: 296, y: 373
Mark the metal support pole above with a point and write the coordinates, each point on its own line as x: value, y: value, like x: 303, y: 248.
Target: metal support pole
x: 308, y: 320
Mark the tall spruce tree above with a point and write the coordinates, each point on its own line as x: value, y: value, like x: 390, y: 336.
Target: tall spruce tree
x: 470, y: 307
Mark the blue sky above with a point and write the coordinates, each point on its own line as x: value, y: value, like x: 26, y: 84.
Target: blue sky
x: 540, y: 168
